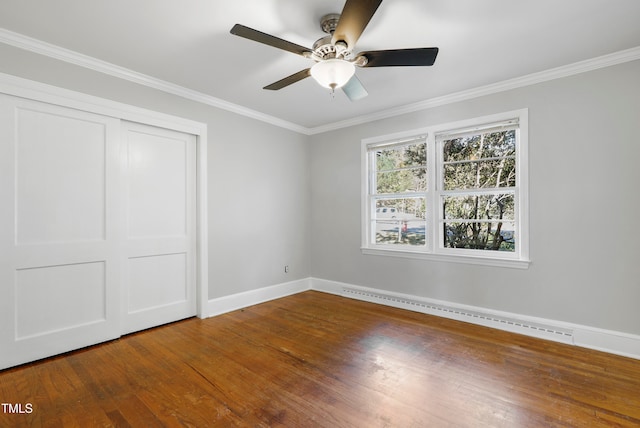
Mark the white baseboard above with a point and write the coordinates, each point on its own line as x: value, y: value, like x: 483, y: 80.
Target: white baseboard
x: 613, y: 342
x: 237, y: 301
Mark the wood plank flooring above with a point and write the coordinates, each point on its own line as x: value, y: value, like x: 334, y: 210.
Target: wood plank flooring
x: 318, y: 360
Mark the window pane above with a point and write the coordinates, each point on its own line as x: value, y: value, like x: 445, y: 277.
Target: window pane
x: 400, y: 181
x: 404, y: 208
x: 413, y: 155
x: 479, y: 207
x: 401, y: 169
x: 495, y: 236
x: 480, y: 174
x: 400, y: 221
x: 481, y: 146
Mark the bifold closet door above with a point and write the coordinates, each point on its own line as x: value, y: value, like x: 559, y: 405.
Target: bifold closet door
x: 160, y: 245
x: 59, y: 234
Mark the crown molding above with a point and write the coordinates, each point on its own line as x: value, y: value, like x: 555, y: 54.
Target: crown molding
x: 62, y: 54
x: 615, y: 58
x: 43, y: 48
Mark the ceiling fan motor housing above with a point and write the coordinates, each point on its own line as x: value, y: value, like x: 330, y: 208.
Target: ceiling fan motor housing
x: 324, y: 48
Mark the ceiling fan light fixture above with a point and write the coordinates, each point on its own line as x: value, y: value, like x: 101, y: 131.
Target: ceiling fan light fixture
x: 333, y: 73
x: 334, y: 56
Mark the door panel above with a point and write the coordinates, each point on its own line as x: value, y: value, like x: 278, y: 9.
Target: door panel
x: 61, y: 179
x: 160, y: 244
x: 59, y: 276
x: 39, y: 308
x: 157, y: 281
x: 157, y: 182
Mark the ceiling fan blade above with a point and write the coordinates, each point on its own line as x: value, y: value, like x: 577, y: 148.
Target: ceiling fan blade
x: 267, y: 39
x: 354, y: 18
x: 354, y: 89
x: 400, y: 57
x: 296, y: 77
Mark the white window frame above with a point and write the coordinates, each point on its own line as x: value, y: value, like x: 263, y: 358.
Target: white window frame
x: 433, y: 248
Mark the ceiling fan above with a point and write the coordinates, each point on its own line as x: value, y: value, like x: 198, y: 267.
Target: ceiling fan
x: 335, y: 61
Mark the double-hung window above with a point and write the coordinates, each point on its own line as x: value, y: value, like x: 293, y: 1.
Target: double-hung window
x: 454, y: 192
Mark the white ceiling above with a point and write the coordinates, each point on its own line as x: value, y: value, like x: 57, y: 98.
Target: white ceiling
x: 187, y: 43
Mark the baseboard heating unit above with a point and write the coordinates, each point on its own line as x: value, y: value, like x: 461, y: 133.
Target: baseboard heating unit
x: 514, y: 325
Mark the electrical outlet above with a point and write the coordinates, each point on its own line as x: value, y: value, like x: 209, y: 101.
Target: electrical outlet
x: 286, y: 269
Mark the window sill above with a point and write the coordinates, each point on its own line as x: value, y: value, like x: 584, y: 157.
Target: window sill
x: 448, y: 258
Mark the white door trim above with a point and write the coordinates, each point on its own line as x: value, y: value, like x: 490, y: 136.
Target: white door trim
x: 17, y: 86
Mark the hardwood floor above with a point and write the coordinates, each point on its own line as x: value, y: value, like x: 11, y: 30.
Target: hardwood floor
x: 315, y: 359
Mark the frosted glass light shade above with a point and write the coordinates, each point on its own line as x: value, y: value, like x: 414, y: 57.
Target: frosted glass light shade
x: 333, y: 73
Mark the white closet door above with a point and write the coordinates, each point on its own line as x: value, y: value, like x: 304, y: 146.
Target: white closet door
x: 160, y: 246
x: 59, y: 196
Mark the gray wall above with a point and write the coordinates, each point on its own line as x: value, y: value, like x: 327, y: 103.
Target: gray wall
x: 584, y: 149
x: 277, y: 197
x: 258, y: 180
